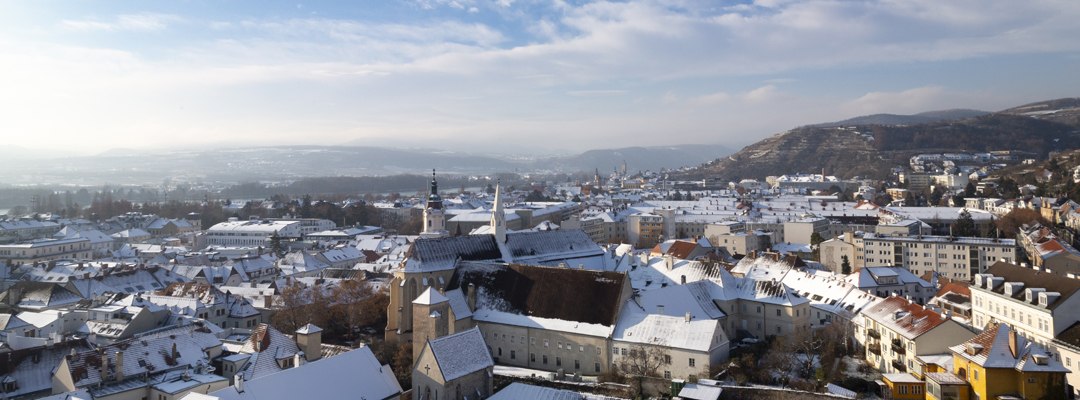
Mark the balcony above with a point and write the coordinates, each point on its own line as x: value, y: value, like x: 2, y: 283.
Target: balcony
x: 899, y: 366
x: 872, y: 333
x: 898, y: 347
x: 874, y: 348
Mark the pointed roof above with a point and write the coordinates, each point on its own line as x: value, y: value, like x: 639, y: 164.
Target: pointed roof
x: 999, y: 346
x: 461, y: 354
x: 308, y: 329
x: 430, y: 296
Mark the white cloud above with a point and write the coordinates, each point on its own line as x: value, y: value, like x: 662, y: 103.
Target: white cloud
x: 327, y: 77
x: 143, y: 22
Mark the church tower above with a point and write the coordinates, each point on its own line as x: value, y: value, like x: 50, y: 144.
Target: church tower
x: 498, y: 217
x: 434, y: 215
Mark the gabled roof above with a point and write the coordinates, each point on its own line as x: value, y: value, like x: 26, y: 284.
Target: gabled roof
x: 526, y: 244
x: 995, y: 348
x: 32, y: 368
x: 151, y: 353
x: 534, y: 247
x: 438, y: 254
x: 545, y: 292
x: 663, y: 330
x: 267, y: 345
x: 906, y: 318
x: 461, y: 354
x: 355, y: 374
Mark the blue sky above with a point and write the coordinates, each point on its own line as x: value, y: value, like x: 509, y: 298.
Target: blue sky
x: 509, y: 75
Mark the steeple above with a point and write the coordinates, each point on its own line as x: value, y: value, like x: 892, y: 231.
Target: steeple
x: 434, y: 201
x: 434, y: 217
x: 498, y: 217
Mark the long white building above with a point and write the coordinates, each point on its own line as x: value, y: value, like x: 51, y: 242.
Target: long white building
x: 251, y: 233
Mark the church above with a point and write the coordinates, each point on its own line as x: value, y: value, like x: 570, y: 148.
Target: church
x: 550, y: 300
x: 435, y: 256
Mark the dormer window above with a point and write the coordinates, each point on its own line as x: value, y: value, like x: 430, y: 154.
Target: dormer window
x: 1041, y: 359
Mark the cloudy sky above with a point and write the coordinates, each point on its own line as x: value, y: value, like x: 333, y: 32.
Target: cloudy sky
x: 509, y: 75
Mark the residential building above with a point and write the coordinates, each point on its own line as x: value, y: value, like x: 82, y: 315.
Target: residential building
x: 952, y: 257
x: 1001, y: 364
x: 1040, y: 306
x: 887, y: 281
x: 898, y: 331
x: 902, y: 386
x: 833, y: 252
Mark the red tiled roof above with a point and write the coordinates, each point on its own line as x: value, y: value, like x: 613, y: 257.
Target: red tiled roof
x: 957, y: 287
x: 914, y: 319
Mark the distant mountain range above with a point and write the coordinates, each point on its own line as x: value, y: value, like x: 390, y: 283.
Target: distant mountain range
x: 124, y: 166
x: 869, y: 146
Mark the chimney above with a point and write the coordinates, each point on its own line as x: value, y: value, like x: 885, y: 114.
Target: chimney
x: 104, y: 372
x: 119, y: 365
x: 309, y: 340
x: 238, y: 383
x: 1012, y: 342
x: 471, y: 297
x: 299, y: 359
x: 687, y: 317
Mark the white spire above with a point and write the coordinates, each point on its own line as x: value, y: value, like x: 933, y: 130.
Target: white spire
x: 498, y: 217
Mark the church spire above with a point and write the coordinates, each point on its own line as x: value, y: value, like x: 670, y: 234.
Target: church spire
x: 434, y: 218
x: 434, y: 201
x: 498, y: 216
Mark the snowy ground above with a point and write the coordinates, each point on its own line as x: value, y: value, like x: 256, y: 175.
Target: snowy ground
x: 538, y: 374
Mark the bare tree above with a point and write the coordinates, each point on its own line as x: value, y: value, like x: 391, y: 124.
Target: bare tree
x: 644, y: 360
x: 357, y: 304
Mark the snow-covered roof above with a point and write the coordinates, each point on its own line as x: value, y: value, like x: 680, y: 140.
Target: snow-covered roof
x: 560, y: 325
x: 904, y: 317
x: 461, y: 354
x: 901, y: 378
x: 994, y: 348
x: 354, y: 374
x: 675, y: 332
x: 458, y: 304
x: 308, y: 329
x: 518, y: 390
x: 694, y: 391
x: 430, y: 296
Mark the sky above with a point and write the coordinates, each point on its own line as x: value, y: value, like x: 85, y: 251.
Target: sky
x: 511, y: 76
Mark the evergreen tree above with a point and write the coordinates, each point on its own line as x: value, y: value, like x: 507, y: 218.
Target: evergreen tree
x: 965, y: 225
x: 845, y: 265
x: 815, y: 245
x: 276, y: 246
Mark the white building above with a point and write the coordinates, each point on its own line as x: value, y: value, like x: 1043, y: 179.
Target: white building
x: 251, y: 233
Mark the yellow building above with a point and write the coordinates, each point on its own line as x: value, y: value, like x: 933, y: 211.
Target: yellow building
x: 902, y: 386
x: 946, y: 386
x: 999, y: 364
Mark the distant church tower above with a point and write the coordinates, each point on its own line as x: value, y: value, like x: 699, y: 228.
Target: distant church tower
x: 498, y: 225
x: 434, y: 215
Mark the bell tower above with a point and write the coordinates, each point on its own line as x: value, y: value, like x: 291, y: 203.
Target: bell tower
x: 434, y: 216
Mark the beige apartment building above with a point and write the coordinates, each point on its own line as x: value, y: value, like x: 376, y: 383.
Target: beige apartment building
x: 952, y: 257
